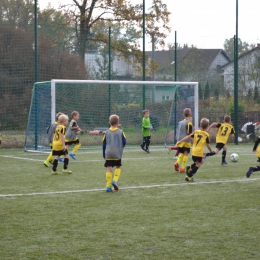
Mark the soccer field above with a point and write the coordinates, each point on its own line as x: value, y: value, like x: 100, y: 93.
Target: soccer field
x: 154, y: 215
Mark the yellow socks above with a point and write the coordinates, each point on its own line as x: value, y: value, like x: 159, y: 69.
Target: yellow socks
x: 180, y: 158
x: 184, y: 161
x: 109, y: 179
x: 49, y: 159
x: 117, y: 175
x: 76, y: 147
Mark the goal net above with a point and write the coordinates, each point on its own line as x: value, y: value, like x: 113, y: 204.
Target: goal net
x: 96, y: 100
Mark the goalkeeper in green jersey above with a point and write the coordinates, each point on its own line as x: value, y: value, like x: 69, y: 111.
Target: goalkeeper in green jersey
x: 146, y: 131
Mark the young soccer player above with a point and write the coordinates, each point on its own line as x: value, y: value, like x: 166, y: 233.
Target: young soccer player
x: 200, y: 139
x: 184, y: 129
x: 225, y: 130
x: 58, y: 145
x: 71, y: 135
x: 50, y: 132
x: 114, y: 141
x: 146, y: 131
x: 255, y: 168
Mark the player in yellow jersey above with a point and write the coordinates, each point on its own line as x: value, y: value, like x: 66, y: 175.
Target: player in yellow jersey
x: 184, y: 129
x: 58, y: 145
x: 200, y: 139
x: 225, y: 130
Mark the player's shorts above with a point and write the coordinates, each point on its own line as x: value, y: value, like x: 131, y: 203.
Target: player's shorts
x: 59, y: 153
x: 183, y: 149
x: 112, y: 163
x: 220, y: 146
x: 72, y: 142
x: 196, y: 159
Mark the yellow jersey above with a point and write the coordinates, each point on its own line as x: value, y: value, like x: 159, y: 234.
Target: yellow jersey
x: 57, y: 142
x: 224, y: 130
x: 200, y: 139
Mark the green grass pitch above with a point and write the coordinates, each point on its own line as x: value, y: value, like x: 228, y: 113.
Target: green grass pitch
x: 154, y: 215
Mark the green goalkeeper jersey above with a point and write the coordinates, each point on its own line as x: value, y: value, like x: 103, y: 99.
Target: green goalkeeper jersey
x: 146, y: 126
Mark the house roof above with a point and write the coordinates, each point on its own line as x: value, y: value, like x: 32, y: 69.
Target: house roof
x: 202, y: 58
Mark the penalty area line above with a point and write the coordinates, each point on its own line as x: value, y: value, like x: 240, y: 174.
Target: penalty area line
x: 130, y: 188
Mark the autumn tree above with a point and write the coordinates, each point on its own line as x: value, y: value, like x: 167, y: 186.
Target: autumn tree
x: 86, y: 13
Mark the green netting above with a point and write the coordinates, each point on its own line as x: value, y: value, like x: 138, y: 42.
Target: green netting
x: 96, y: 103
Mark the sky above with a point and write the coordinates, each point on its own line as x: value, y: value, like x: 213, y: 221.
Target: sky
x: 205, y: 23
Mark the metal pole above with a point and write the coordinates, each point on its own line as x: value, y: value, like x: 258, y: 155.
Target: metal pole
x: 236, y: 78
x: 109, y: 70
x: 35, y: 42
x: 144, y: 53
x: 175, y: 94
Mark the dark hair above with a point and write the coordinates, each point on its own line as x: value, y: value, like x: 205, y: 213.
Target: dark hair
x: 74, y: 113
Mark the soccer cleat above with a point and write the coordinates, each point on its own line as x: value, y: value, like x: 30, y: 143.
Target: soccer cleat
x: 142, y: 146
x: 249, y: 172
x: 55, y: 173
x: 176, y: 167
x: 108, y: 189
x: 182, y: 170
x: 46, y: 164
x: 147, y: 150
x: 204, y: 155
x: 72, y: 156
x: 175, y: 157
x: 189, y: 179
x: 115, y: 185
x: 224, y: 163
x: 61, y: 159
x: 66, y: 171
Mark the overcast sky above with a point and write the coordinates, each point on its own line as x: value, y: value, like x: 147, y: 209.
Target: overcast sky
x: 206, y: 23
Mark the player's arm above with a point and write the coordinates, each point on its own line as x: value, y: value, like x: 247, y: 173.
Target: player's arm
x: 62, y: 138
x: 146, y: 123
x: 74, y: 126
x: 104, y: 144
x: 208, y: 145
x: 124, y: 139
x: 256, y: 144
x: 184, y: 139
x: 212, y: 125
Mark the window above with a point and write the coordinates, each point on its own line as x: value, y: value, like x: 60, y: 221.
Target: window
x: 165, y: 98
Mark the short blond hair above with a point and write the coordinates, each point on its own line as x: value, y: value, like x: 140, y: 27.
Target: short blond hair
x: 204, y: 123
x: 227, y: 119
x: 62, y: 118
x: 114, y: 120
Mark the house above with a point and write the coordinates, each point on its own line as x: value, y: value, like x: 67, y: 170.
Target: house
x: 248, y: 71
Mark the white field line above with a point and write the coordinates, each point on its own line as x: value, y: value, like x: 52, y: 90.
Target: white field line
x: 131, y: 187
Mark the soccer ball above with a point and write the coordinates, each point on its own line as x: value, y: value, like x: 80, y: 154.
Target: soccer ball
x: 234, y: 157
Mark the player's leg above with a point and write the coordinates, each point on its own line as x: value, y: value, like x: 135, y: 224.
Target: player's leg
x: 48, y: 160
x: 55, y: 162
x: 143, y: 143
x: 184, y: 159
x: 108, y: 165
x: 224, y: 153
x: 197, y: 163
x: 117, y: 174
x: 147, y: 143
x: 253, y: 169
x: 75, y: 149
x: 66, y: 163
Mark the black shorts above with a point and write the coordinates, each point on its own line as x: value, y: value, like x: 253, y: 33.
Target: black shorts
x: 183, y: 149
x: 112, y: 163
x: 59, y: 153
x: 220, y: 146
x: 72, y: 142
x: 196, y: 159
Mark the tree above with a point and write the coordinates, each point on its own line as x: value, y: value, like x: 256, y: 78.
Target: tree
x: 229, y: 47
x: 206, y: 91
x: 256, y: 94
x: 87, y: 13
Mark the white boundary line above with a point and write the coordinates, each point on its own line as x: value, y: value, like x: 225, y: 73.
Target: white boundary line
x: 130, y: 188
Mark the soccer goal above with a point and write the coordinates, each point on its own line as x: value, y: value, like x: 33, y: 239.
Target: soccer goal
x: 96, y: 100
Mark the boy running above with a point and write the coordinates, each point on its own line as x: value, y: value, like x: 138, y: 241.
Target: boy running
x: 224, y: 131
x: 200, y: 139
